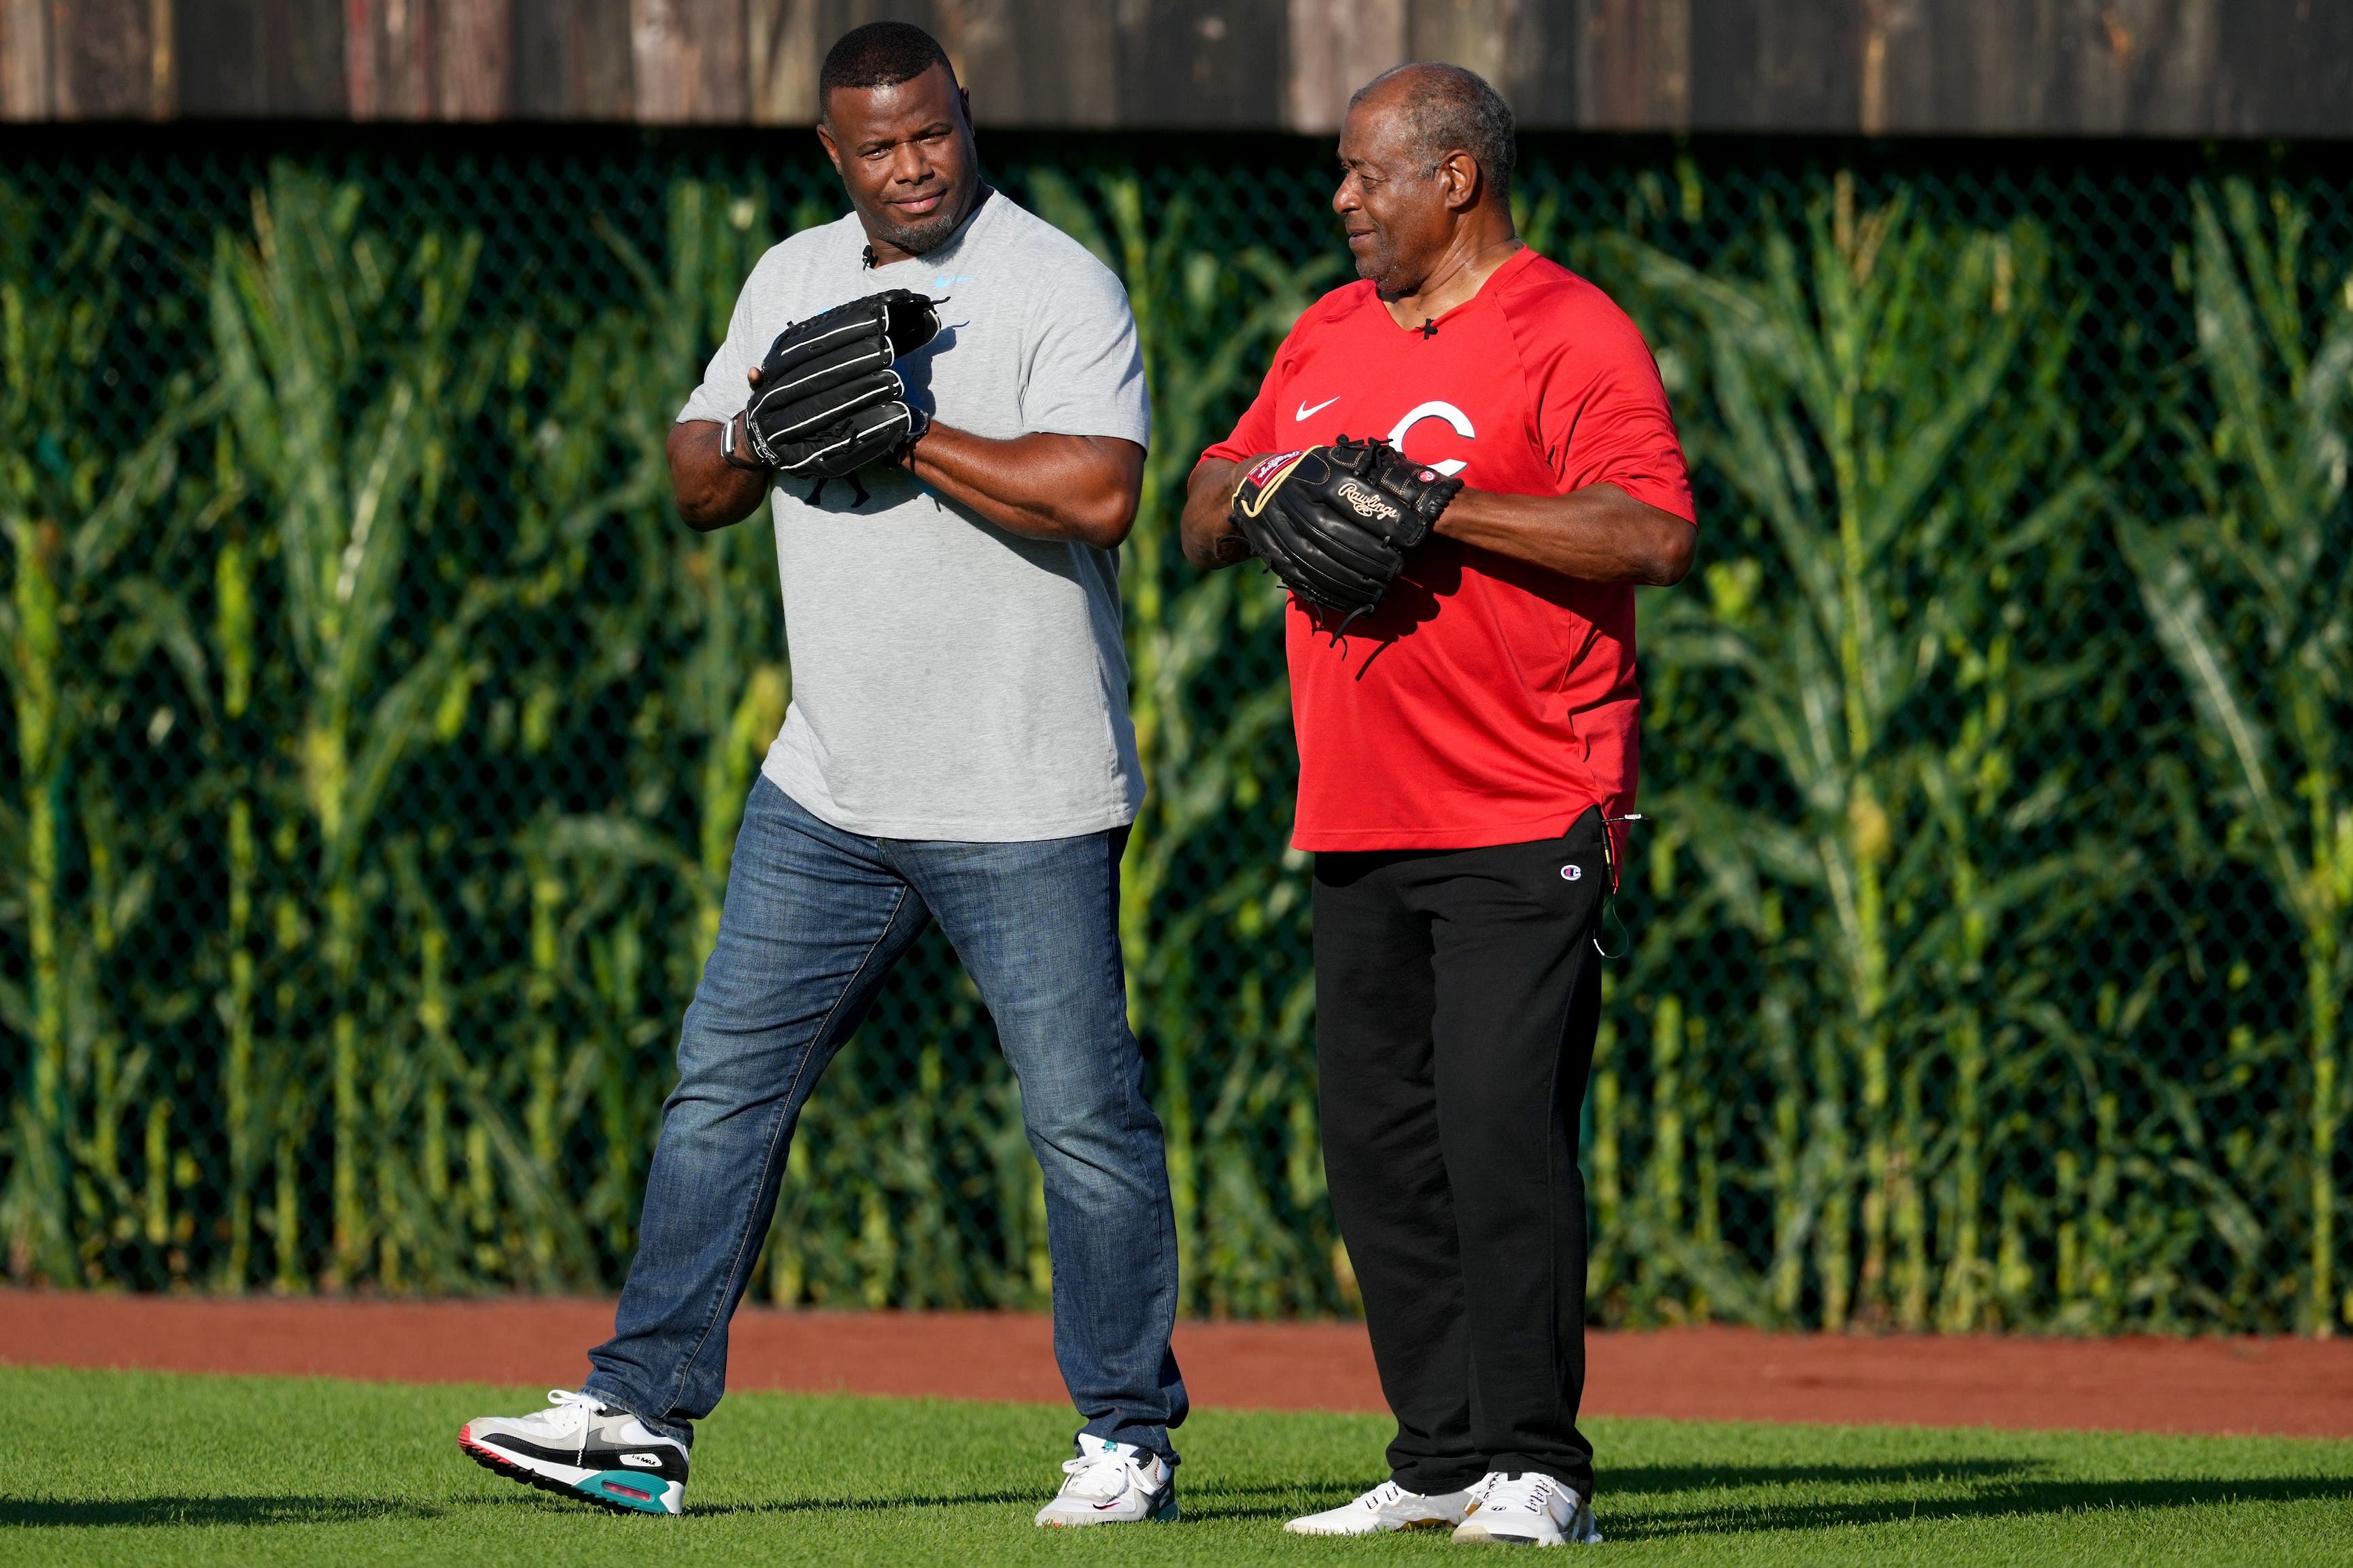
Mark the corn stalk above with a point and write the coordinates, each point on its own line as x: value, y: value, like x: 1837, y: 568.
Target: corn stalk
x: 345, y: 377
x: 1880, y: 390
x: 2250, y: 597
x: 73, y: 493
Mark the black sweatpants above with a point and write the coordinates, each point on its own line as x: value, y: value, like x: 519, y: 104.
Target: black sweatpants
x: 1457, y: 993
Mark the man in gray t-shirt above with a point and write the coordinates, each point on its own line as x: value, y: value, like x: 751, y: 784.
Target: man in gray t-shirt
x: 957, y: 748
x: 958, y: 665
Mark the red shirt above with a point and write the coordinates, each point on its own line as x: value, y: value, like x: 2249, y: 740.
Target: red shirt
x: 1487, y: 700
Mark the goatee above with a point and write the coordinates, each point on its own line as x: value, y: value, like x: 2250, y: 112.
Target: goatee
x: 919, y: 238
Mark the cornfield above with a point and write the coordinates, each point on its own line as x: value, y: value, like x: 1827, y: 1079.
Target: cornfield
x: 378, y: 737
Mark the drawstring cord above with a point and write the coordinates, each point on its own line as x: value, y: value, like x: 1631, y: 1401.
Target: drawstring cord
x: 1609, y: 895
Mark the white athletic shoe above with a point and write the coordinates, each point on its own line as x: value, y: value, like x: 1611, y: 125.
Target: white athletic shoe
x: 1385, y: 1508
x: 1113, y: 1483
x: 1526, y: 1510
x: 585, y: 1449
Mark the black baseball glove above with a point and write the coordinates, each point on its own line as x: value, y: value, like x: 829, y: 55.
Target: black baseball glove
x: 827, y: 401
x: 1335, y: 522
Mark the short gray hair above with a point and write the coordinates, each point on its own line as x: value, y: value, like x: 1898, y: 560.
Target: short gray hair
x: 1447, y: 108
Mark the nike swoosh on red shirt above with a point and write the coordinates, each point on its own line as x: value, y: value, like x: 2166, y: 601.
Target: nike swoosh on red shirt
x: 1306, y: 413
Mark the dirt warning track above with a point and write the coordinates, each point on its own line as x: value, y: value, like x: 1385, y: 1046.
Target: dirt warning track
x: 2288, y: 1387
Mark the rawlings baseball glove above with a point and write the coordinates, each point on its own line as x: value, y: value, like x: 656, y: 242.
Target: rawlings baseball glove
x: 827, y: 401
x: 1335, y: 522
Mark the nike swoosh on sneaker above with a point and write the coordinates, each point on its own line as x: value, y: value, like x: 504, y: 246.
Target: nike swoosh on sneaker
x: 1305, y: 413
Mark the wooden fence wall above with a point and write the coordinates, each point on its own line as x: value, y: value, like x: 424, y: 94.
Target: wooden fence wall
x: 2159, y: 68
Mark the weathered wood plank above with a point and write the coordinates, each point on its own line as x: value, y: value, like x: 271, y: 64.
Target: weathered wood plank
x: 388, y: 55
x: 1635, y: 66
x: 216, y: 57
x: 2133, y: 68
x: 662, y: 60
x: 780, y: 60
x: 473, y: 59
x: 1336, y: 47
x: 1912, y: 49
x: 1780, y: 65
x: 303, y: 64
x: 2284, y: 68
x: 24, y: 78
x: 163, y: 69
x: 689, y: 58
x: 1030, y: 65
x: 1211, y: 64
x: 573, y: 59
x: 1921, y: 55
x: 102, y: 60
x: 2156, y: 72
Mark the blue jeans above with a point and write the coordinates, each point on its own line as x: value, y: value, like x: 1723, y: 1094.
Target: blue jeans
x: 814, y: 917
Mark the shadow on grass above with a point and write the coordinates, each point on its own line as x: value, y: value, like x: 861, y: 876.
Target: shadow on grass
x: 184, y: 1511
x: 1997, y: 1488
x: 865, y: 1504
x: 1225, y: 1502
x: 1620, y: 1480
x: 19, y: 1513
x: 1996, y: 1500
x: 1290, y: 1502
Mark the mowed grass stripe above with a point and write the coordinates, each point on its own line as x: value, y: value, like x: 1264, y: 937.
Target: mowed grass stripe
x: 159, y: 1469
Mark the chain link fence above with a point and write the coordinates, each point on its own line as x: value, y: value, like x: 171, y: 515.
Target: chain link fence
x: 377, y: 735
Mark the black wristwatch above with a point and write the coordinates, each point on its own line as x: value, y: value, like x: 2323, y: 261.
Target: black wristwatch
x: 750, y: 464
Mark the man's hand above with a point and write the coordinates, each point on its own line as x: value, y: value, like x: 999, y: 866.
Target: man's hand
x: 1207, y: 531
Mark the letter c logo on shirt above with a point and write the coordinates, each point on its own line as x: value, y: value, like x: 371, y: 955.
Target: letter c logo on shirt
x: 1446, y: 411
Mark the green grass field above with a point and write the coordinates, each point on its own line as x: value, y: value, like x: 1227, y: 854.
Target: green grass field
x: 153, y: 1470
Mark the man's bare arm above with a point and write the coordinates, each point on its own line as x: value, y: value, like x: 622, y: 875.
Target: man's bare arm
x: 1082, y: 489
x: 1599, y: 533
x: 711, y: 492
x: 1209, y: 540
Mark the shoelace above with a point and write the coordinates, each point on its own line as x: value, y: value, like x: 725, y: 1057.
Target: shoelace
x: 1102, y: 1474
x: 1531, y: 1492
x: 1382, y: 1495
x: 563, y: 1402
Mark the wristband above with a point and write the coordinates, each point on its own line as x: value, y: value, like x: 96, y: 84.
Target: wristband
x: 919, y: 425
x: 727, y: 450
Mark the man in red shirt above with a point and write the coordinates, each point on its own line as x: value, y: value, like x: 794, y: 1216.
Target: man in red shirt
x: 1462, y: 750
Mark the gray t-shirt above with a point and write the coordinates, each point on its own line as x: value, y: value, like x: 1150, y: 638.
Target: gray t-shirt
x: 950, y: 679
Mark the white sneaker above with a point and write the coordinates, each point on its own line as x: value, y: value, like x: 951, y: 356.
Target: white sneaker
x: 1385, y: 1508
x: 585, y: 1449
x: 1113, y: 1483
x: 1526, y: 1510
